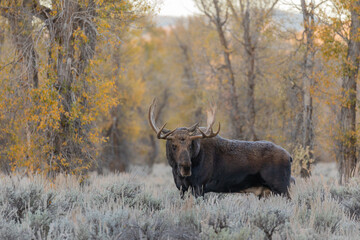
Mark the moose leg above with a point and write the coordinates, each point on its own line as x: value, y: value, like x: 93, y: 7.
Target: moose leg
x: 183, y: 189
x: 181, y: 185
x: 198, y: 191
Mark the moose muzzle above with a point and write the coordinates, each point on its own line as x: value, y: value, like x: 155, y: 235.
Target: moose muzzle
x: 185, y: 165
x: 185, y: 170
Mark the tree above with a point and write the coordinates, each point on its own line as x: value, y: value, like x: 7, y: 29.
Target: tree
x: 252, y: 17
x: 65, y: 103
x: 217, y: 12
x: 20, y: 21
x: 340, y: 35
x: 308, y: 73
x: 347, y: 153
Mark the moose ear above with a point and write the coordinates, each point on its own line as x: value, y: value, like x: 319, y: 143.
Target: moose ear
x: 170, y: 155
x: 166, y: 131
x: 196, y: 147
x: 193, y: 127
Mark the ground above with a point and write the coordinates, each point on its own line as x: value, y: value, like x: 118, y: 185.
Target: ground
x: 137, y: 205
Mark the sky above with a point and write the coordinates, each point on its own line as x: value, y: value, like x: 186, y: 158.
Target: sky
x: 177, y: 7
x: 187, y: 7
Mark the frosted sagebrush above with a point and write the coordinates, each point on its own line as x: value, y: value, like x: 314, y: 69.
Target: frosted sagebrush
x: 14, y: 230
x: 123, y: 206
x: 270, y: 216
x: 349, y: 198
x: 326, y: 216
x: 17, y: 201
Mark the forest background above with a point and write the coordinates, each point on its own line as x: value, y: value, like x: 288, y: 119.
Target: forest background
x: 77, y: 78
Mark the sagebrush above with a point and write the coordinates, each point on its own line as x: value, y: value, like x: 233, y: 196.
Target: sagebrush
x: 139, y: 206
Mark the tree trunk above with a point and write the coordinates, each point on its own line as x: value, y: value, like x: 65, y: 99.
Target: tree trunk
x: 252, y: 18
x: 308, y: 77
x: 189, y: 77
x: 187, y: 63
x: 70, y: 66
x: 347, y: 147
x: 20, y: 19
x: 65, y: 78
x: 236, y: 117
x: 250, y: 54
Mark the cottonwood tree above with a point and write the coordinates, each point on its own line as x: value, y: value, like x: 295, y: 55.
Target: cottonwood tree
x: 308, y: 72
x: 347, y: 152
x: 217, y: 13
x: 307, y: 42
x: 65, y: 106
x: 252, y: 17
x: 66, y: 64
x: 20, y: 18
x: 304, y: 130
x: 186, y: 46
x: 341, y: 41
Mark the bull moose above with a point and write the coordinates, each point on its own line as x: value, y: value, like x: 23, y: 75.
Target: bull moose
x: 205, y: 162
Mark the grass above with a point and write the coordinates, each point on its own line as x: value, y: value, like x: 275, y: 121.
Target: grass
x: 140, y: 206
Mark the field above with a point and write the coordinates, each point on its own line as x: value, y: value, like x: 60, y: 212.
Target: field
x: 141, y: 206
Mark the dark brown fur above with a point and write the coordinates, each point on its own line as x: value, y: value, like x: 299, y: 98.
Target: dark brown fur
x: 222, y: 165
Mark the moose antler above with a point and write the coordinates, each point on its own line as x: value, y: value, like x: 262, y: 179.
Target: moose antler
x: 159, y: 132
x: 209, y: 133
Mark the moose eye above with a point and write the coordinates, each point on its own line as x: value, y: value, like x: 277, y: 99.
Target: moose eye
x: 174, y: 147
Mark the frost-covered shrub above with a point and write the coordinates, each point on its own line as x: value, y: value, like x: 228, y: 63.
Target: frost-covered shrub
x: 307, y: 191
x: 121, y: 206
x: 224, y: 234
x: 221, y: 214
x: 270, y: 216
x: 230, y: 211
x: 40, y: 222
x: 305, y: 234
x: 100, y: 224
x: 219, y: 221
x: 67, y: 200
x: 158, y: 225
x: 129, y: 193
x: 61, y: 229
x: 12, y: 230
x: 349, y: 197
x: 326, y: 216
x: 148, y: 202
x: 189, y: 219
x: 306, y: 194
x: 25, y: 198
x: 180, y: 232
x: 126, y: 224
x: 124, y: 192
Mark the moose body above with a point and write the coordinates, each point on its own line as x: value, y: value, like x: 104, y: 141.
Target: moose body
x: 223, y: 165
x: 205, y: 162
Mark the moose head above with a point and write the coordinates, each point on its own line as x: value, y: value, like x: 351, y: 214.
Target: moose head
x: 183, y: 144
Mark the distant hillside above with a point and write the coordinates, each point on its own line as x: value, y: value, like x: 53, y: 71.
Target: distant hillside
x: 288, y: 20
x: 166, y: 21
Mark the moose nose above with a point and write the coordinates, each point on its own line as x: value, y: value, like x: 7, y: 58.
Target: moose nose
x: 186, y: 167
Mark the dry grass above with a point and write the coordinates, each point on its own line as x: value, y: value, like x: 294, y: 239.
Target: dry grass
x: 139, y: 206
